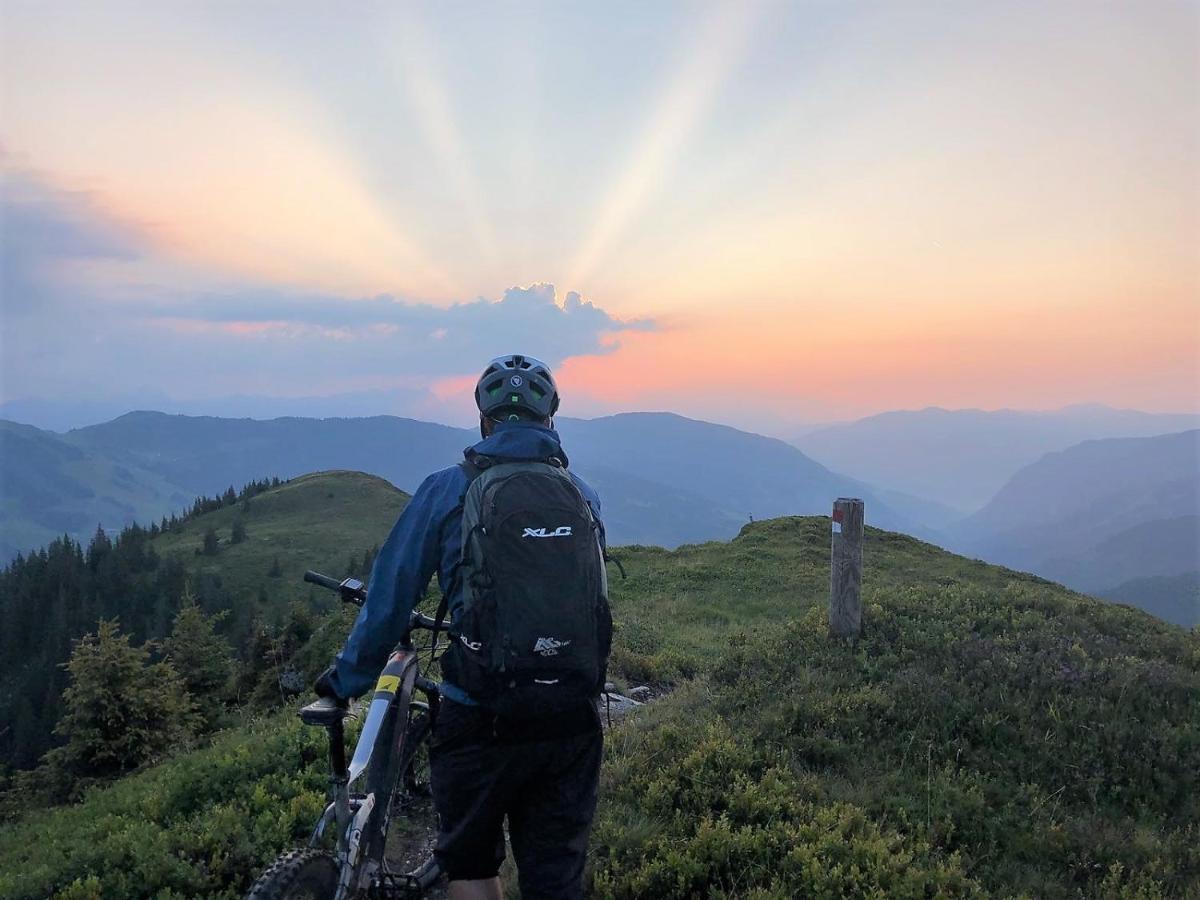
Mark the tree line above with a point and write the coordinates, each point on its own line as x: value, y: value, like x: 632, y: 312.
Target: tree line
x: 119, y: 598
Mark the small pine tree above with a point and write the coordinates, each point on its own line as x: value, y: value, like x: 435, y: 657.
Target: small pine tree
x: 203, y: 659
x: 229, y: 497
x: 119, y: 711
x: 238, y: 533
x: 275, y: 571
x: 258, y: 657
x: 212, y: 544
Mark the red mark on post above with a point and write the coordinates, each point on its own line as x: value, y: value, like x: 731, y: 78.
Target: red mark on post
x: 837, y: 515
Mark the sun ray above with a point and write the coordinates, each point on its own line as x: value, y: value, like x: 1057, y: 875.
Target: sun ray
x: 411, y: 55
x: 716, y: 46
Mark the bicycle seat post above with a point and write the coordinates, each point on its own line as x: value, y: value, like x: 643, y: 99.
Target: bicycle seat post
x: 339, y: 777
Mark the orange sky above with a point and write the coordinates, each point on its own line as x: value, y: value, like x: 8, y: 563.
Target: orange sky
x: 825, y: 211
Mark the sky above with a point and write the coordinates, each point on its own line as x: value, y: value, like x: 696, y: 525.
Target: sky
x: 760, y: 213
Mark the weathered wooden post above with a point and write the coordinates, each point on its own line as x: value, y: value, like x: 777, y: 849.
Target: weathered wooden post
x: 845, y: 573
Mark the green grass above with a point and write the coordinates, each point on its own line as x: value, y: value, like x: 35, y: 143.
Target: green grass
x: 313, y: 522
x: 196, y: 826
x: 678, y: 607
x: 991, y: 734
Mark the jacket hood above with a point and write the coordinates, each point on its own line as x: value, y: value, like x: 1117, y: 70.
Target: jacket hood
x: 520, y: 440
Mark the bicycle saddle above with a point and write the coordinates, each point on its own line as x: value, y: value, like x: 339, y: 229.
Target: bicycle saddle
x: 324, y: 711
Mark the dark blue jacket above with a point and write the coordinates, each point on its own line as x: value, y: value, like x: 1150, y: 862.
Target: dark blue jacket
x: 427, y: 538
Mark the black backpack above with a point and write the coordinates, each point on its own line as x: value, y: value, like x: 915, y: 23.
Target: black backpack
x: 535, y: 629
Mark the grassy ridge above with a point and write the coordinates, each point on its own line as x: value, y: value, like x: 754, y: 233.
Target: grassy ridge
x: 311, y: 522
x: 991, y: 735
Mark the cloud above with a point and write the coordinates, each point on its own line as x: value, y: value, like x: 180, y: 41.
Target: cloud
x: 435, y: 340
x: 81, y: 332
x: 43, y: 230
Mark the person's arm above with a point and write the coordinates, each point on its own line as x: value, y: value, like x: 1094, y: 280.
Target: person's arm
x: 593, y: 502
x: 401, y: 572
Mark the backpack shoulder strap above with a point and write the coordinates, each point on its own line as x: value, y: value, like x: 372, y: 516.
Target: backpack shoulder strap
x: 473, y: 465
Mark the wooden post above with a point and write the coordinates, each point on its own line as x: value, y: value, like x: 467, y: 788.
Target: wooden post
x: 845, y: 574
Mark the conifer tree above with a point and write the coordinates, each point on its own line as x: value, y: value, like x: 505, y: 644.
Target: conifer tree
x: 120, y: 711
x: 203, y: 658
x: 275, y: 571
x: 238, y: 533
x: 211, y: 544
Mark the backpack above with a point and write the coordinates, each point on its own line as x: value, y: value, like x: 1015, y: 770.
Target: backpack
x: 535, y: 629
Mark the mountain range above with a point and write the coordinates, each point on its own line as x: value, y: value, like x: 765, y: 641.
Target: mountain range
x: 963, y: 457
x: 1107, y: 516
x: 666, y: 480
x: 1101, y: 517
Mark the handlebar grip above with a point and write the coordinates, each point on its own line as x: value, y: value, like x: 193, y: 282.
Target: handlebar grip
x: 419, y: 620
x: 323, y: 580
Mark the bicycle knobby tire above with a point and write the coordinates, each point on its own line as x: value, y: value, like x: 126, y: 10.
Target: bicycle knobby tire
x: 298, y: 875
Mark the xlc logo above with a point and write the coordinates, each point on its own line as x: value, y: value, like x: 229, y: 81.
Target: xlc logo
x: 471, y: 645
x: 549, y: 646
x: 560, y: 531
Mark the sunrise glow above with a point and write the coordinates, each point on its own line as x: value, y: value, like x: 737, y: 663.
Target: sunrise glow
x: 780, y: 212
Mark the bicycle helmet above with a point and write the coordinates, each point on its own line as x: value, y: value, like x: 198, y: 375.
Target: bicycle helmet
x: 515, y: 385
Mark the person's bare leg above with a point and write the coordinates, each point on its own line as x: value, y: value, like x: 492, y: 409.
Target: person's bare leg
x: 476, y: 889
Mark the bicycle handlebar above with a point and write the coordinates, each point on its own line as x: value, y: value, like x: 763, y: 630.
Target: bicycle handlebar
x: 352, y: 591
x: 323, y: 580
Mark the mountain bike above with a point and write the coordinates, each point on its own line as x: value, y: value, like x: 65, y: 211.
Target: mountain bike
x: 345, y: 858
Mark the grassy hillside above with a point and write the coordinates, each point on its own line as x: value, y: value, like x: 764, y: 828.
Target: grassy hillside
x: 312, y: 522
x: 327, y: 521
x: 992, y: 734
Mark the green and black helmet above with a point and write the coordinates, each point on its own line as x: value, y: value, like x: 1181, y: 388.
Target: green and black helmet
x: 515, y: 387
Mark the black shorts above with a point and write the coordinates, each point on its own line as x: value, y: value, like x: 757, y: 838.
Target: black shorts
x: 541, y: 775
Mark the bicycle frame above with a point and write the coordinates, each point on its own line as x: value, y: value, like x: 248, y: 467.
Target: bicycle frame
x: 361, y: 818
x: 351, y: 812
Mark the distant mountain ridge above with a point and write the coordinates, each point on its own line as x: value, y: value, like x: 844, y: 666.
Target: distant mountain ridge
x: 962, y: 457
x: 1099, y: 514
x: 1093, y: 516
x: 668, y: 479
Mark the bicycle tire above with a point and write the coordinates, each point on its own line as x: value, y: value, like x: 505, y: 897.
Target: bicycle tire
x: 414, y: 761
x: 388, y: 764
x: 298, y: 875
x: 398, y: 780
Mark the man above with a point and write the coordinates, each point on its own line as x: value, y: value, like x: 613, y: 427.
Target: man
x: 486, y: 761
